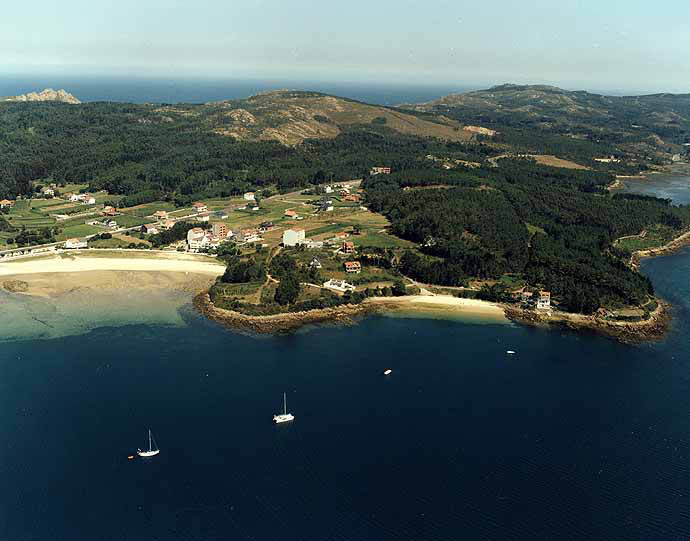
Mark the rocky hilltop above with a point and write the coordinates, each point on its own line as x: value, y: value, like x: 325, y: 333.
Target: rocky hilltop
x: 46, y: 95
x: 290, y: 117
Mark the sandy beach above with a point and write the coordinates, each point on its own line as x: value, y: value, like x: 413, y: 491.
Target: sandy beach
x: 443, y: 304
x: 55, y: 275
x: 112, y: 261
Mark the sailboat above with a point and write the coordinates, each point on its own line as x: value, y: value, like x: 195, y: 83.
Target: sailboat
x: 284, y: 417
x: 151, y: 451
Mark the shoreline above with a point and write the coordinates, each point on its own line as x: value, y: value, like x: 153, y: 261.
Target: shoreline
x: 671, y: 247
x: 651, y: 329
x: 619, y: 182
x: 54, y: 275
x: 443, y: 305
x: 70, y: 262
x: 278, y: 323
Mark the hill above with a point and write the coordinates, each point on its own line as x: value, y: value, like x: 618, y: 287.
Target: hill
x: 290, y: 117
x: 540, y: 119
x: 283, y: 139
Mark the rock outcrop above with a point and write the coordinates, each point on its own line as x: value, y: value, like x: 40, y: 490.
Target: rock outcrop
x: 46, y: 95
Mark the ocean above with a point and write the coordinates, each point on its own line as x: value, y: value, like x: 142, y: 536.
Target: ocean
x: 185, y: 90
x: 575, y: 436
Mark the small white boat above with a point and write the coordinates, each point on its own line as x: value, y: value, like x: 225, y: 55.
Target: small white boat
x: 284, y: 417
x: 387, y: 372
x: 510, y: 352
x: 153, y: 448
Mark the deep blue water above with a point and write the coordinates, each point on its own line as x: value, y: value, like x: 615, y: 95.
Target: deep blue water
x: 157, y: 90
x: 574, y: 437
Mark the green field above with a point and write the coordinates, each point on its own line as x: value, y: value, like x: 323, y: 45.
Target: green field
x: 43, y: 203
x: 127, y: 220
x: 77, y: 231
x: 72, y: 188
x: 149, y: 208
x: 380, y: 240
x: 108, y: 243
x: 655, y: 237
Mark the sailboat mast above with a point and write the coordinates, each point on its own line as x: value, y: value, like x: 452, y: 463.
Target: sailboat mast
x: 284, y: 404
x: 150, y: 439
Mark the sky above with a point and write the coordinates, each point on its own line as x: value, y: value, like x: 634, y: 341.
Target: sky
x: 614, y: 45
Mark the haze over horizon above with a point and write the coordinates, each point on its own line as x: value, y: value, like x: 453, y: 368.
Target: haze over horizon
x: 621, y: 46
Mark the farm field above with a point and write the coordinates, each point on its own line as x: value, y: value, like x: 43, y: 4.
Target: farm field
x: 75, y: 231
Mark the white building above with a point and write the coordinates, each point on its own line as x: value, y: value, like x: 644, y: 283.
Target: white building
x: 338, y: 285
x: 249, y: 196
x: 47, y: 191
x: 197, y: 239
x: 329, y: 189
x: 313, y: 244
x: 88, y: 200
x: 248, y: 235
x: 544, y: 301
x: 74, y: 244
x: 293, y: 237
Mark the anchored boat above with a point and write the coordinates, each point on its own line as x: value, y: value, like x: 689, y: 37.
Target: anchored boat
x: 153, y: 448
x: 284, y: 417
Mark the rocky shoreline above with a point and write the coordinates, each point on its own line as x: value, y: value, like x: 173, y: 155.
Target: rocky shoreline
x: 653, y: 328
x: 667, y: 249
x: 277, y: 323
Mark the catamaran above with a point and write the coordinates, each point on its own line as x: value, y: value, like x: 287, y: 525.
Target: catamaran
x: 153, y: 448
x: 285, y: 416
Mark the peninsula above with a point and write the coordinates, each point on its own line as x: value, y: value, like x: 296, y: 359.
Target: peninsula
x: 313, y: 204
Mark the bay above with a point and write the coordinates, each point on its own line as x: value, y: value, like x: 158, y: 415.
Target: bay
x: 575, y: 436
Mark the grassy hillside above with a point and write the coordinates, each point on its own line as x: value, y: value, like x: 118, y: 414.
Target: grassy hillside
x: 291, y: 117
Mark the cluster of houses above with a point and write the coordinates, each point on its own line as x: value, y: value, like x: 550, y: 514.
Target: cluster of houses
x: 84, y: 198
x: 107, y: 222
x: 344, y: 191
x: 6, y: 204
x: 380, y: 171
x: 325, y: 205
x: 199, y: 239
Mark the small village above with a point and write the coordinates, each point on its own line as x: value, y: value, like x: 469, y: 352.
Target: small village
x: 327, y: 229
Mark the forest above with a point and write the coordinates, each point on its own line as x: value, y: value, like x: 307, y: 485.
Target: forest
x: 554, y: 227
x: 120, y: 148
x: 139, y: 152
